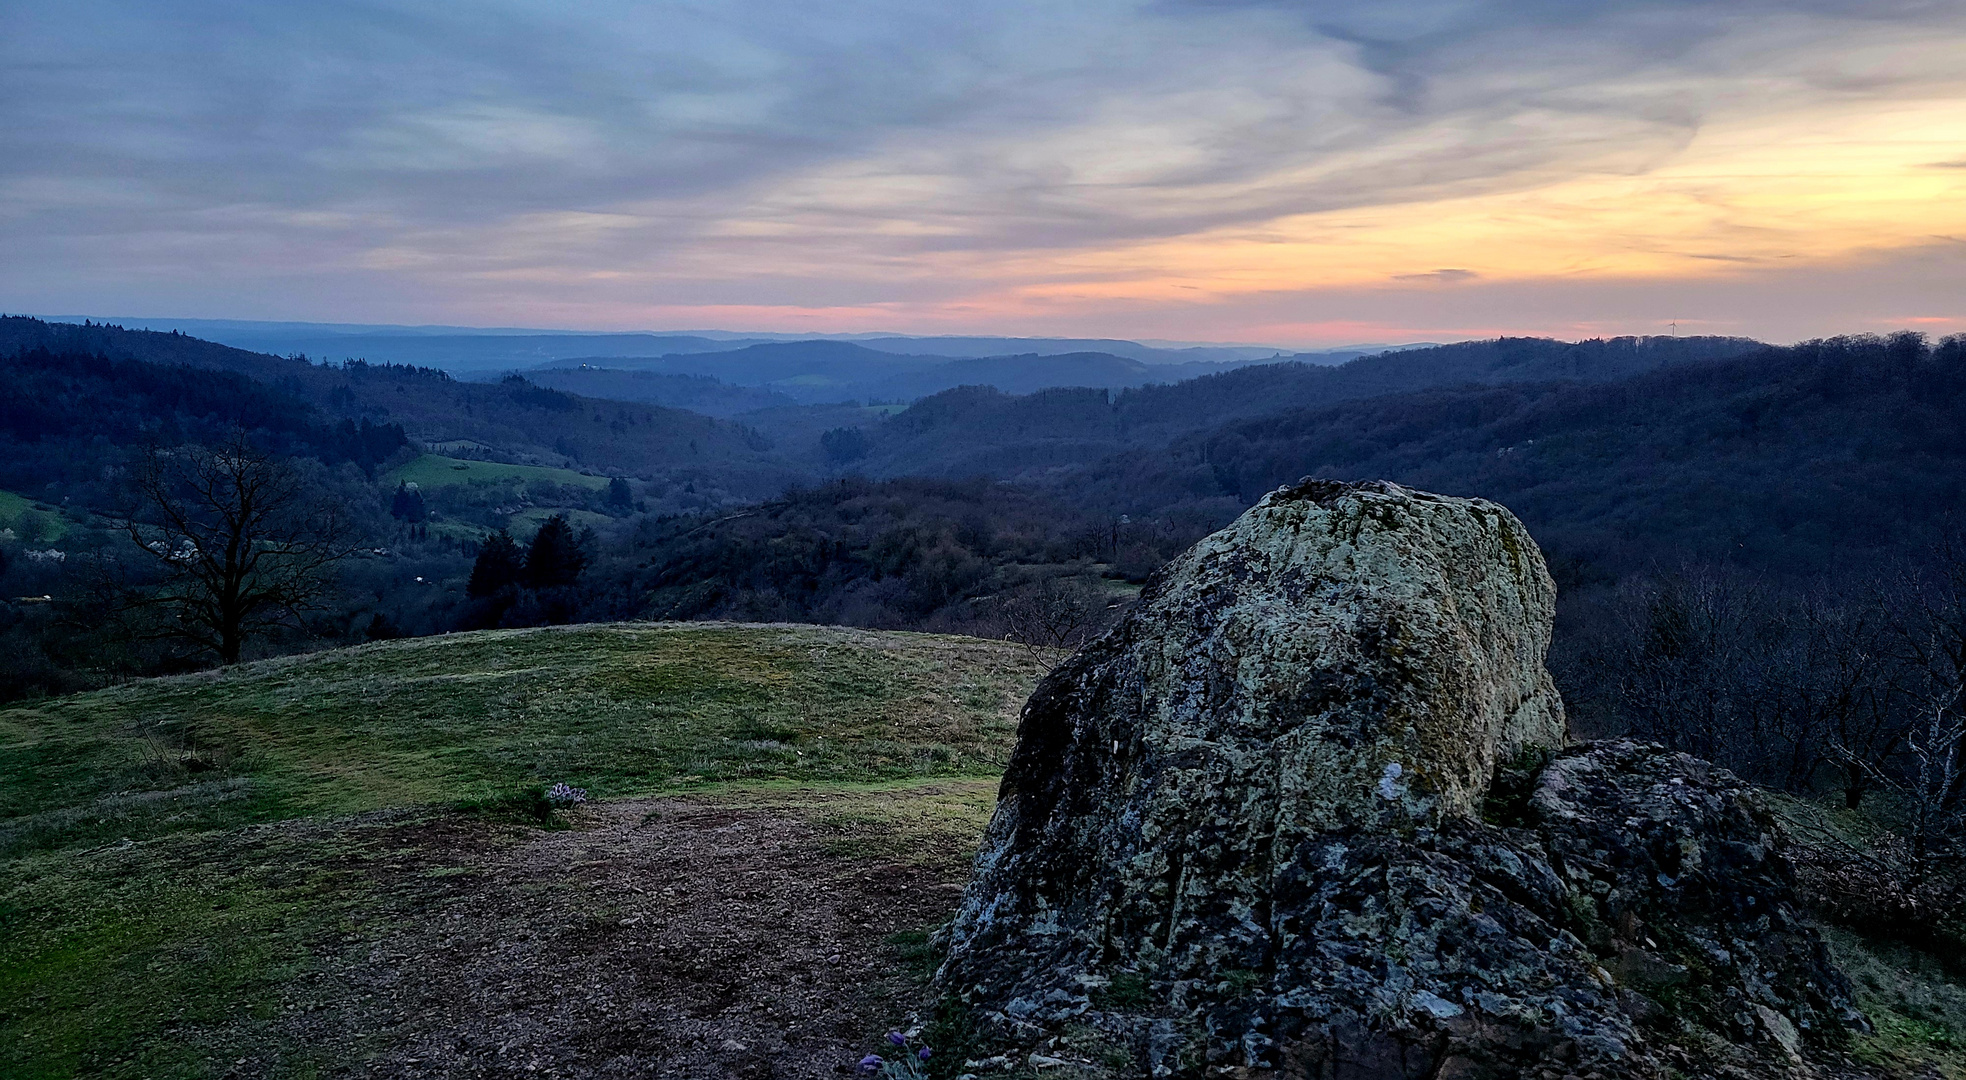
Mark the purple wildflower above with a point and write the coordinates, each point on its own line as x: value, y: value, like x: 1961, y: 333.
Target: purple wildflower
x: 923, y: 1054
x: 871, y: 1063
x: 897, y: 1038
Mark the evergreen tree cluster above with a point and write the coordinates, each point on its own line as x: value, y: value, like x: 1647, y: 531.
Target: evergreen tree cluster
x: 407, y: 505
x: 620, y: 497
x: 554, y: 560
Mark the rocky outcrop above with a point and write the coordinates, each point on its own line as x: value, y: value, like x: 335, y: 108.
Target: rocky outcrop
x: 1305, y: 812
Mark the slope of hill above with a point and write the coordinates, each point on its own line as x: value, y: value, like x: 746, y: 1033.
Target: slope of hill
x: 809, y: 371
x: 68, y: 421
x: 1833, y: 455
x: 697, y: 393
x: 980, y: 432
x: 341, y: 862
x: 1788, y: 459
x: 1029, y: 372
x: 908, y: 552
x: 347, y: 865
x: 527, y: 424
x: 462, y: 353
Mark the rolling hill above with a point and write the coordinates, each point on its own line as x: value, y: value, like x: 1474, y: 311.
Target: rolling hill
x: 1792, y: 460
x: 980, y: 431
x: 512, y: 419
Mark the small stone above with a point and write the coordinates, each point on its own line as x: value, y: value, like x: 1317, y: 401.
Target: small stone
x: 732, y: 1046
x: 1782, y: 1030
x: 1439, y: 1007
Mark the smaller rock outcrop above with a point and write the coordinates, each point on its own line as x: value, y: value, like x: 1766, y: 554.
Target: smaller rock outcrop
x: 1306, y: 813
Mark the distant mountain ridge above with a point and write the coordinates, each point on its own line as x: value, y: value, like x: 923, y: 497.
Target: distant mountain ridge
x: 821, y: 372
x: 463, y: 350
x: 975, y: 347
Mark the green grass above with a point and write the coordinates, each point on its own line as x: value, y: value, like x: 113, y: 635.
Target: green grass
x: 32, y: 522
x: 175, y: 853
x: 435, y: 471
x: 1916, y: 1003
x: 619, y: 709
x: 1916, y: 1006
x: 124, y: 961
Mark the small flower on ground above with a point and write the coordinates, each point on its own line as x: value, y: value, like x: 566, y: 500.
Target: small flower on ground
x: 905, y: 1067
x: 562, y: 795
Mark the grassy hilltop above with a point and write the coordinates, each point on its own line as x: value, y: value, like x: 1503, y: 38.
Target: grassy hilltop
x: 200, y: 872
x: 341, y: 864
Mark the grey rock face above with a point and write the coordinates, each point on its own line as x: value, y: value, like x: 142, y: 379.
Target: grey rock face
x: 1245, y: 830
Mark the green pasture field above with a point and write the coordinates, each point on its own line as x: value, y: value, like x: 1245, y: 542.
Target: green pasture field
x: 33, y: 522
x: 435, y: 470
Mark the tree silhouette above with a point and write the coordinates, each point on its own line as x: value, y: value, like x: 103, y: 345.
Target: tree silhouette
x: 408, y: 504
x: 499, y: 566
x: 844, y: 444
x: 243, y: 540
x: 555, y: 558
x: 620, y: 496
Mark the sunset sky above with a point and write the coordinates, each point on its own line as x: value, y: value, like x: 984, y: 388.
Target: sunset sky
x: 1206, y: 170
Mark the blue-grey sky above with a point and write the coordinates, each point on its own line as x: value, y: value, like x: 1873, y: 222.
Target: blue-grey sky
x: 1266, y: 170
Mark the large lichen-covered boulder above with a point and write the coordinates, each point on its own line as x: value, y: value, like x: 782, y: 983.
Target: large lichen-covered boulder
x: 1245, y: 831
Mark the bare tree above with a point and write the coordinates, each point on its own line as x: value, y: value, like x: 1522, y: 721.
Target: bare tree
x: 243, y: 542
x: 1053, y: 616
x: 1695, y: 666
x: 1936, y: 778
x: 1844, y: 707
x: 1932, y: 635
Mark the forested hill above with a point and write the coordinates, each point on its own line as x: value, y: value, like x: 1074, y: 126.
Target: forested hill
x: 68, y: 420
x: 20, y: 334
x: 979, y: 431
x: 512, y: 419
x: 1787, y: 459
x: 1817, y: 460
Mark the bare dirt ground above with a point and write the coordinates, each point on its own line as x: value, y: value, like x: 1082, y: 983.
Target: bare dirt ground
x: 747, y: 937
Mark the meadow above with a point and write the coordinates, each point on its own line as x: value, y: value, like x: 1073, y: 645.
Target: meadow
x: 436, y: 471
x: 202, y: 872
x: 30, y: 521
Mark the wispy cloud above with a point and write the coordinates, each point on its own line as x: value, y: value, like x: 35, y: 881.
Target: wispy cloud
x: 1449, y: 276
x: 1002, y: 164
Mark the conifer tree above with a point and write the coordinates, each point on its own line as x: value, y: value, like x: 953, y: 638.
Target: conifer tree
x: 555, y: 558
x: 499, y: 566
x: 407, y: 505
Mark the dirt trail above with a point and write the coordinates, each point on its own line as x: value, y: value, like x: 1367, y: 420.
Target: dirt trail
x: 659, y: 938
